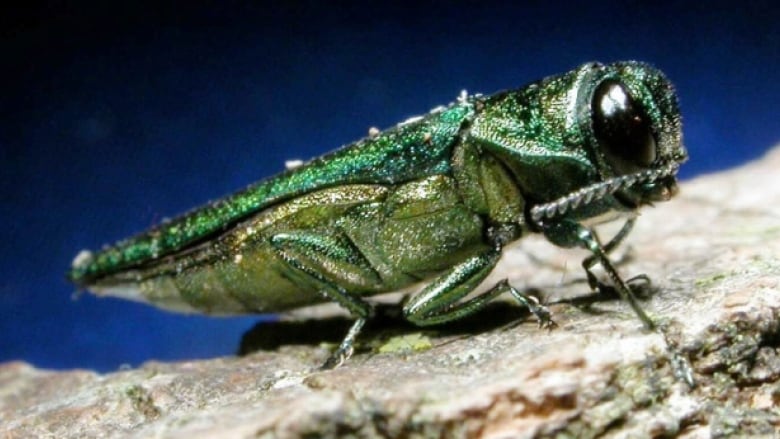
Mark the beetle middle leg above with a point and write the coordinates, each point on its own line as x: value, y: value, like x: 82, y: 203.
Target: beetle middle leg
x: 439, y: 301
x: 326, y: 263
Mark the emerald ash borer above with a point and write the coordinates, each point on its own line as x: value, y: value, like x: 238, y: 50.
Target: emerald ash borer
x: 434, y: 200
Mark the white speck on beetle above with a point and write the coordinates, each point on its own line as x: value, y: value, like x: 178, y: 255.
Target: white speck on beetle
x: 83, y: 258
x: 411, y: 120
x: 292, y: 164
x: 463, y: 96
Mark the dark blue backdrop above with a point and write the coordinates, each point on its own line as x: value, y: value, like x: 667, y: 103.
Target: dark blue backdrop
x: 114, y: 117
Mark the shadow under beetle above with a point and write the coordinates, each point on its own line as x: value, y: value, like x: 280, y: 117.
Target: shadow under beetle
x: 433, y: 199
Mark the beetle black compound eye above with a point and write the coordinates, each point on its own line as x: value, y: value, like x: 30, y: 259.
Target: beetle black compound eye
x: 621, y: 126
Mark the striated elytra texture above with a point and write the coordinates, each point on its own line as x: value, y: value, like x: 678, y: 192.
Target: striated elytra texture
x: 713, y: 253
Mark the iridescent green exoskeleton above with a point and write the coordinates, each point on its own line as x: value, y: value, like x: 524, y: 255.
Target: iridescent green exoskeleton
x: 434, y: 199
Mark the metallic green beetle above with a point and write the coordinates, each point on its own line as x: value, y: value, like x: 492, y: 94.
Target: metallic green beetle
x: 434, y: 199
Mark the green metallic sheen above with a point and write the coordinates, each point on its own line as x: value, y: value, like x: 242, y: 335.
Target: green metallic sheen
x: 402, y: 154
x: 433, y: 199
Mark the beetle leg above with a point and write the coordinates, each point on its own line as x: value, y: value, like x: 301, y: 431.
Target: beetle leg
x: 616, y: 240
x: 570, y: 234
x: 438, y: 302
x: 327, y: 263
x: 613, y: 243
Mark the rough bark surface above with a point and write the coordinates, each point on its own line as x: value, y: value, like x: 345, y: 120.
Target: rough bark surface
x: 713, y: 254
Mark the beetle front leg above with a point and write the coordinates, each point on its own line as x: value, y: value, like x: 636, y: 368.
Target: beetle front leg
x: 613, y: 243
x: 325, y: 262
x: 437, y: 302
x: 568, y: 233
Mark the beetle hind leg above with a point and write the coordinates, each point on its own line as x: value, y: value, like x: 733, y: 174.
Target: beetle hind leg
x: 327, y: 264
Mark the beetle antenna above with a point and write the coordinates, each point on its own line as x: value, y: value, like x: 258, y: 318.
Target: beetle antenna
x: 598, y: 191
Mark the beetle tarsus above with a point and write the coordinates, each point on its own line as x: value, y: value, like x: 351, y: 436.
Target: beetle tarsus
x: 346, y: 348
x: 542, y: 314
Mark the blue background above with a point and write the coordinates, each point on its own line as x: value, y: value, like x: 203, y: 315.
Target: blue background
x: 113, y: 117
